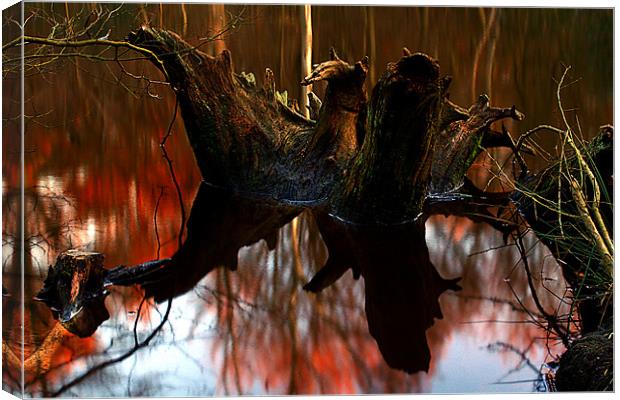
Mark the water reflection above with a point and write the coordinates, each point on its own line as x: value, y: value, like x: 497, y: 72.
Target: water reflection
x: 256, y: 331
x: 398, y: 278
x: 394, y: 261
x: 94, y: 175
x: 220, y: 223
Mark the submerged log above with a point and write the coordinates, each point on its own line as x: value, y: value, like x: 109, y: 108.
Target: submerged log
x: 74, y: 291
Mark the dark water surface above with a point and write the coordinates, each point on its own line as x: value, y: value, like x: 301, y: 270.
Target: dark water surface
x: 94, y: 177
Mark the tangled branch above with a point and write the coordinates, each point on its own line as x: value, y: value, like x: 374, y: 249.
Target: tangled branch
x: 86, y: 35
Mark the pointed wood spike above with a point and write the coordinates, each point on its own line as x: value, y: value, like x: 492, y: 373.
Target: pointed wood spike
x: 226, y: 58
x: 294, y: 105
x: 269, y: 83
x: 332, y: 54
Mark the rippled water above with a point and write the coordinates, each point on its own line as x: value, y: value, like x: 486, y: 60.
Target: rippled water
x: 94, y: 177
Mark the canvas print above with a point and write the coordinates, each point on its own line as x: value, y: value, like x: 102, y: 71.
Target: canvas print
x: 203, y: 199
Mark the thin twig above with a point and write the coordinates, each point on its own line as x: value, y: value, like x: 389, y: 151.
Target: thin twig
x: 161, y: 193
x: 551, y: 319
x: 162, y: 145
x: 115, y: 360
x: 85, y: 43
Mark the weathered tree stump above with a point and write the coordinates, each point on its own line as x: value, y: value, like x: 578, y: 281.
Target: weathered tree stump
x: 74, y: 292
x: 369, y: 162
x: 588, y: 365
x: 371, y: 170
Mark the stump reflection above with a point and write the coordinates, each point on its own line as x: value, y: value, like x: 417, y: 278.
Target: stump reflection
x: 402, y: 286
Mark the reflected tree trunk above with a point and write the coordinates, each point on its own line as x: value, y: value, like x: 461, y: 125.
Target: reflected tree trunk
x: 306, y: 55
x: 216, y: 23
x: 487, y: 34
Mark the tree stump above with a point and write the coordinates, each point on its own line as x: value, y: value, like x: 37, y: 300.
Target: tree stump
x: 588, y: 365
x: 73, y: 290
x: 367, y: 161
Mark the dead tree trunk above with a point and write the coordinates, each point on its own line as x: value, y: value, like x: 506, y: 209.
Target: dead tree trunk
x: 246, y: 137
x: 388, y: 178
x: 416, y: 142
x: 371, y: 163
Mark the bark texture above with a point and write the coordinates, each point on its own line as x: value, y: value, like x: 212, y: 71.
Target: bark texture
x: 370, y: 161
x: 246, y: 137
x: 74, y: 291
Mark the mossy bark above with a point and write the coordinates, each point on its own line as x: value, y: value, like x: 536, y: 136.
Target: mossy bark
x: 388, y: 178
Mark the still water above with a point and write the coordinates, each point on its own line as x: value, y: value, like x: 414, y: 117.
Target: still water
x: 95, y: 179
